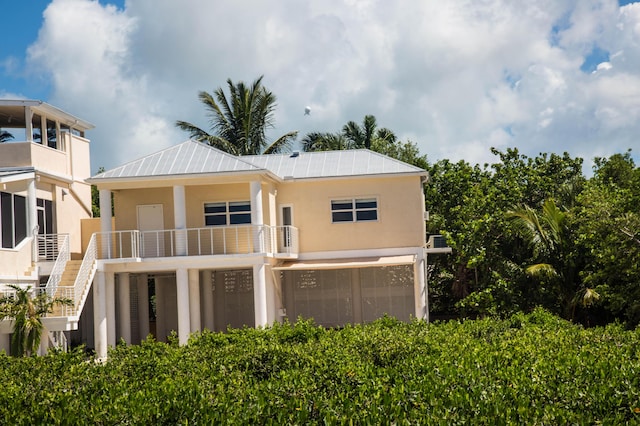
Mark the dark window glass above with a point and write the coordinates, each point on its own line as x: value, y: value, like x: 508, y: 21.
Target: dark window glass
x: 240, y: 218
x: 366, y: 204
x: 215, y: 220
x: 367, y: 215
x: 341, y: 205
x: 342, y: 216
x: 6, y: 216
x: 20, y: 218
x: 240, y: 206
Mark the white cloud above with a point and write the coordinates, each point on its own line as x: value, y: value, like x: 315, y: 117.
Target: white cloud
x: 455, y: 77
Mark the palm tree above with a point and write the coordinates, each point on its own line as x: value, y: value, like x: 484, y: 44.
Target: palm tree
x: 5, y: 136
x: 363, y: 136
x: 239, y: 121
x: 27, y: 312
x: 318, y: 141
x: 548, y: 235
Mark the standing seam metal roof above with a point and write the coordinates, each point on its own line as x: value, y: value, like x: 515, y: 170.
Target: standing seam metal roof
x: 192, y: 157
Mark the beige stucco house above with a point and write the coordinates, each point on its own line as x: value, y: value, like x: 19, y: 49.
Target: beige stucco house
x: 204, y: 239
x: 43, y: 198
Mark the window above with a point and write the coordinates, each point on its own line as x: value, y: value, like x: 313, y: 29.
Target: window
x: 13, y: 218
x: 227, y: 213
x: 354, y: 210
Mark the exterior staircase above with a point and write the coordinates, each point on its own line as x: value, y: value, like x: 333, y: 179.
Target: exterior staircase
x: 67, y: 281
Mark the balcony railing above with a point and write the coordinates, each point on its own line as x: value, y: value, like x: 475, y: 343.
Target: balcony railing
x: 209, y: 241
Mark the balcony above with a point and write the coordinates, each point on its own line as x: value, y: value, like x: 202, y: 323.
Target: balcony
x: 31, y: 154
x: 275, y: 241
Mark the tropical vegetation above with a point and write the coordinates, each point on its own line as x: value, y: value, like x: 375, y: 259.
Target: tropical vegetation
x: 26, y: 310
x: 527, y: 369
x: 5, y: 136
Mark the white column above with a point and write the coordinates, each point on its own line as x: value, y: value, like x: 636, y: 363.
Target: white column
x: 124, y: 304
x: 420, y: 286
x: 105, y: 223
x: 180, y: 219
x: 182, y: 299
x: 32, y: 217
x: 44, y: 137
x: 194, y: 300
x: 100, y: 315
x: 28, y: 117
x: 260, y: 295
x: 207, y: 294
x: 257, y: 218
x: 110, y: 296
x: 143, y: 305
x: 32, y: 208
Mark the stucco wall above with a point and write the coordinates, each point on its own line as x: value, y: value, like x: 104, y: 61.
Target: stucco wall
x: 400, y: 213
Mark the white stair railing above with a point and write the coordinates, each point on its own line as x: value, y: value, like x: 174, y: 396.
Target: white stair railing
x: 58, y: 267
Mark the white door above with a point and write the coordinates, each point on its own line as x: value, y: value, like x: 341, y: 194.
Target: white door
x: 286, y: 219
x: 151, y: 226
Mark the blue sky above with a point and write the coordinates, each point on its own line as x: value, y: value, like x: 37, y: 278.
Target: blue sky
x: 456, y: 78
x: 22, y: 20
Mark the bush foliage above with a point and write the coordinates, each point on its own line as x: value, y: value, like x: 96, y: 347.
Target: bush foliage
x: 528, y: 369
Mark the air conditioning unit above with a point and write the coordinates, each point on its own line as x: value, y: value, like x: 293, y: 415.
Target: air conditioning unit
x: 436, y: 242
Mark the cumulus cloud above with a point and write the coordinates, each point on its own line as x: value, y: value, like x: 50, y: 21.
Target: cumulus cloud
x: 454, y: 77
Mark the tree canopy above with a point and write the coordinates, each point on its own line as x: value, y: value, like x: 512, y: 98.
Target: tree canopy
x: 239, y: 121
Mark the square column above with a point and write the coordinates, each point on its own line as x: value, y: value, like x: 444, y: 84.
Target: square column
x: 260, y: 295
x: 180, y: 219
x: 124, y: 303
x: 110, y: 299
x: 420, y: 286
x: 100, y: 315
x: 257, y: 217
x: 182, y: 301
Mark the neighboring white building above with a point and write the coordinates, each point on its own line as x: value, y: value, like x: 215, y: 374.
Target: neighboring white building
x: 43, y: 198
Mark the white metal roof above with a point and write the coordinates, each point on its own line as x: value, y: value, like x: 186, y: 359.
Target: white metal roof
x: 305, y: 165
x: 187, y: 158
x: 192, y: 158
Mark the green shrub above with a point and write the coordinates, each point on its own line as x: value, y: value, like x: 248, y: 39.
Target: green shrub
x: 527, y: 369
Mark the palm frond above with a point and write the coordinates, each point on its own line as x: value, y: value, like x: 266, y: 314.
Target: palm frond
x: 542, y: 270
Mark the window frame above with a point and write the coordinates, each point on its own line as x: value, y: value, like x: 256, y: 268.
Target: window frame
x: 229, y: 214
x: 353, y: 211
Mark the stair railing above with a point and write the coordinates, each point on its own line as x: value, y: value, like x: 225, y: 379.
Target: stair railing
x: 85, y: 275
x: 58, y: 267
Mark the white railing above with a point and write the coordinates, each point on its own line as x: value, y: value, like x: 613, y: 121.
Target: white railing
x: 208, y: 241
x: 77, y: 293
x: 63, y: 256
x: 58, y: 340
x: 287, y: 240
x: 49, y: 246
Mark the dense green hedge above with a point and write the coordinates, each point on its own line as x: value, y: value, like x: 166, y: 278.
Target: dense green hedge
x: 529, y: 369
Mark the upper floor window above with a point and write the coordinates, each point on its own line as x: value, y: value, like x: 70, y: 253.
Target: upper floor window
x: 227, y: 213
x: 354, y: 210
x: 13, y: 219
